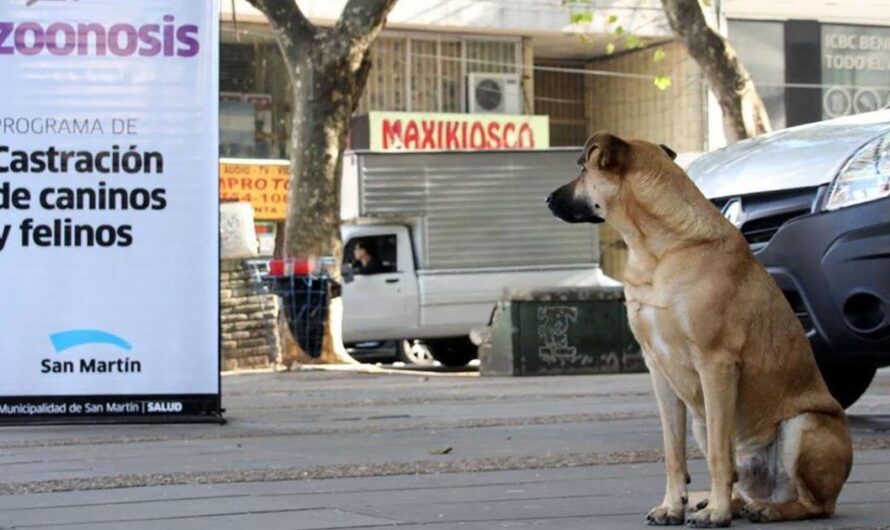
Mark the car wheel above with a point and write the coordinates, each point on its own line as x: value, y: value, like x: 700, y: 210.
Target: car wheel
x: 415, y: 352
x: 846, y: 381
x: 454, y: 352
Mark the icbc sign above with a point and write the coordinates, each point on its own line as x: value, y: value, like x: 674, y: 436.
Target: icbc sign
x: 409, y: 131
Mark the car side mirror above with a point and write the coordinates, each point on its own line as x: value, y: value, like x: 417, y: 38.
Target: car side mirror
x: 347, y: 273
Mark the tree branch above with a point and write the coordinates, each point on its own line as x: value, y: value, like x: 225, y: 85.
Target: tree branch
x: 290, y: 25
x: 358, y: 26
x: 361, y: 80
x: 687, y: 20
x: 744, y: 114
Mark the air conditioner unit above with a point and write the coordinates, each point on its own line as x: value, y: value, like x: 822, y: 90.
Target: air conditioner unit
x: 494, y: 94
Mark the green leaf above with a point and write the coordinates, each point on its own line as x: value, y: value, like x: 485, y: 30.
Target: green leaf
x: 612, y: 19
x: 706, y: 3
x: 582, y: 18
x: 632, y: 41
x: 610, y: 48
x: 658, y: 55
x: 663, y: 82
x: 619, y: 30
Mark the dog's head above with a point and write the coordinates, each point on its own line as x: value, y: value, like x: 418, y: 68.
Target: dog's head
x: 606, y: 163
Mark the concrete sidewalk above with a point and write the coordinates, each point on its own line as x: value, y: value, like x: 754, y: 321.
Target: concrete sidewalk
x: 395, y: 450
x: 614, y: 496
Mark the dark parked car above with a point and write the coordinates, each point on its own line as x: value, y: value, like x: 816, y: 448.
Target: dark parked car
x: 814, y: 204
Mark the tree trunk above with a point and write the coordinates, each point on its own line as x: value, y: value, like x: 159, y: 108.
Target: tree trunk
x: 744, y: 114
x: 329, y: 69
x: 326, y: 99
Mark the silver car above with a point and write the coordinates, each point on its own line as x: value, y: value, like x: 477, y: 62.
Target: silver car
x: 814, y: 204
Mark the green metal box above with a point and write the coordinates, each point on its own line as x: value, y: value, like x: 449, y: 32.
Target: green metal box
x: 560, y: 331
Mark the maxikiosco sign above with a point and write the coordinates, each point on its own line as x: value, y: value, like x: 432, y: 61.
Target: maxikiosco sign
x: 109, y: 210
x: 428, y: 131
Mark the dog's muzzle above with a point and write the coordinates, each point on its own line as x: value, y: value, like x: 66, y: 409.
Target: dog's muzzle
x: 565, y: 206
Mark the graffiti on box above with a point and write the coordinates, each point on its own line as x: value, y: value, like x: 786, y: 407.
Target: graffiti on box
x: 556, y: 351
x: 553, y: 329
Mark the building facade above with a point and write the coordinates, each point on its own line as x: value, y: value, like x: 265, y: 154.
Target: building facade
x: 586, y: 66
x: 811, y: 60
x: 436, y: 57
x: 833, y: 63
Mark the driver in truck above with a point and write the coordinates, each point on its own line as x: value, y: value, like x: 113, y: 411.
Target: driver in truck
x: 365, y: 261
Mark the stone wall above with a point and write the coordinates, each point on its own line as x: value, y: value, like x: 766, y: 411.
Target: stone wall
x: 249, y: 319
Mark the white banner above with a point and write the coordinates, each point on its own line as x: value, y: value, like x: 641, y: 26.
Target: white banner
x: 109, y: 207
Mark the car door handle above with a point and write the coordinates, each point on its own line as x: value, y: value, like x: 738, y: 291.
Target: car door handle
x: 392, y: 280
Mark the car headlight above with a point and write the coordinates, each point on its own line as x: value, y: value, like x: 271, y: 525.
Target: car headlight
x: 864, y: 178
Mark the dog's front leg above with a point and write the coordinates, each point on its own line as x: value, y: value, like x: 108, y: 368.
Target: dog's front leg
x: 673, y: 429
x: 719, y: 379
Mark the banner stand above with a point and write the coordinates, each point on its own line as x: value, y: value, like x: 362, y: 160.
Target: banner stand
x: 109, y: 212
x: 114, y: 410
x: 192, y: 409
x: 217, y: 419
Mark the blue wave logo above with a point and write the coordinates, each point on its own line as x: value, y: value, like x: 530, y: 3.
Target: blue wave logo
x: 66, y: 340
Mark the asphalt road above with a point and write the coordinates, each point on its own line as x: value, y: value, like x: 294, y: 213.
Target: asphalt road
x: 336, y: 449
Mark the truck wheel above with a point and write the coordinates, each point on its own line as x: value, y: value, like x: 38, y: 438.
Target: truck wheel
x: 846, y: 381
x: 454, y: 352
x: 415, y: 352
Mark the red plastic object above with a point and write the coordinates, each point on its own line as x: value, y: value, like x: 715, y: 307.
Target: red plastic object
x: 303, y: 267
x: 291, y: 267
x: 276, y: 267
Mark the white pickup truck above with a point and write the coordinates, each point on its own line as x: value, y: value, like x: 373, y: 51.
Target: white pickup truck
x: 442, y: 234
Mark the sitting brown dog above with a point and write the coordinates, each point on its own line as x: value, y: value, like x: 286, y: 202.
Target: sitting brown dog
x: 719, y: 339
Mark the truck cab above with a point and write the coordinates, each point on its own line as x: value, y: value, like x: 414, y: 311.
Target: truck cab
x: 382, y: 304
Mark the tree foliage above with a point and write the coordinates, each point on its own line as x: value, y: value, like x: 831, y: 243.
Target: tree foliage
x: 744, y: 114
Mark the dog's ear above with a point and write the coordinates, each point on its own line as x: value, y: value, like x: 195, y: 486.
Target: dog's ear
x: 670, y: 152
x: 606, y: 151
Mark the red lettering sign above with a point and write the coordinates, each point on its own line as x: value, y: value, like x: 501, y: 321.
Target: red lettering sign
x: 392, y: 133
x: 424, y: 132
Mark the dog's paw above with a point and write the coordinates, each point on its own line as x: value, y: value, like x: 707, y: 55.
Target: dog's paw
x: 665, y: 516
x: 709, y: 518
x: 758, y: 512
x: 701, y: 505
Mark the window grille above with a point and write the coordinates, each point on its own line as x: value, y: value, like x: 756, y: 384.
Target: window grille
x: 386, y: 81
x: 431, y: 71
x: 491, y: 56
x: 451, y: 81
x: 424, y: 76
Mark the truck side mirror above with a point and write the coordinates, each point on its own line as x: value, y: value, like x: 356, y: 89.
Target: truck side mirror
x: 347, y: 273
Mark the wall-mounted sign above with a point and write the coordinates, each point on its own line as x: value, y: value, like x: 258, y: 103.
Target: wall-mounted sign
x: 418, y: 131
x: 108, y: 149
x: 856, y: 65
x: 263, y: 183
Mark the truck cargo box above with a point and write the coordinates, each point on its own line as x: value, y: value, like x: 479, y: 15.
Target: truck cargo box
x: 471, y: 209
